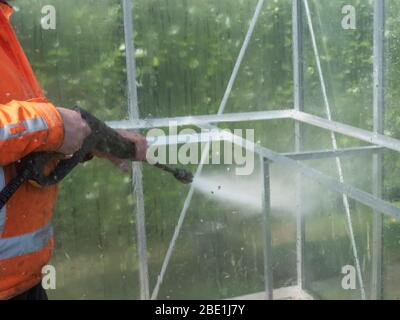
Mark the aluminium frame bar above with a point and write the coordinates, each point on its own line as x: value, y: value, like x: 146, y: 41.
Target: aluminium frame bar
x: 215, y: 135
x: 377, y: 171
x: 347, y: 130
x: 200, y: 119
x: 325, y: 154
x: 137, y: 179
x: 298, y: 83
x: 266, y: 228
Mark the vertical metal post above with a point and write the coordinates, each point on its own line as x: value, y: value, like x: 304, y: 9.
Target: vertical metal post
x: 378, y: 104
x: 298, y: 83
x: 136, y: 167
x: 268, y: 276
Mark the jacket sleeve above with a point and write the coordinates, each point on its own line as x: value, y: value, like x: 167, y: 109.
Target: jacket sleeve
x: 27, y: 127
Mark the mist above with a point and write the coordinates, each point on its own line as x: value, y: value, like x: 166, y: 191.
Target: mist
x: 246, y: 192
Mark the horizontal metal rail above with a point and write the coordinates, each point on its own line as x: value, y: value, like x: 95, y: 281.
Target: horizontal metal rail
x: 350, y: 131
x: 215, y: 135
x: 201, y: 119
x: 361, y: 134
x: 324, y: 154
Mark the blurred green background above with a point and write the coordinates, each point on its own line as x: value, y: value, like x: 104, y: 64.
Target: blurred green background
x: 185, y: 52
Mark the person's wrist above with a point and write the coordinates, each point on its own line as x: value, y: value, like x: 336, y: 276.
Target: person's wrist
x: 55, y: 126
x: 76, y: 130
x: 63, y: 128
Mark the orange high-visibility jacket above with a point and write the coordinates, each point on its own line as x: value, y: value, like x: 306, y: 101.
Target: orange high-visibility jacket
x: 28, y: 123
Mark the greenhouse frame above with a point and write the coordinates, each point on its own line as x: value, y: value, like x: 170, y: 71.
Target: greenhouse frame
x: 292, y: 161
x: 300, y: 96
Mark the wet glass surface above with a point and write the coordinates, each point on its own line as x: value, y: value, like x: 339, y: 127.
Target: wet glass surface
x: 346, y: 61
x: 81, y: 61
x: 185, y: 53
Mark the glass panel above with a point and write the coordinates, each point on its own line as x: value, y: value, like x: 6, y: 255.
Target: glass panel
x: 328, y: 246
x: 391, y: 256
x: 346, y: 59
x: 186, y: 52
x: 265, y: 79
x: 219, y: 253
x: 283, y: 212
x: 214, y: 255
x: 391, y: 279
x: 95, y: 254
x: 391, y: 168
x: 392, y: 68
x: 82, y: 61
x: 356, y: 169
x: 277, y: 135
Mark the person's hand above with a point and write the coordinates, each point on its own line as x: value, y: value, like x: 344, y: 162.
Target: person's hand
x: 75, y: 131
x: 139, y: 141
x: 140, y: 145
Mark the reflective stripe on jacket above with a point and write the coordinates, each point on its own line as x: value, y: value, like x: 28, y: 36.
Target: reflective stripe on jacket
x: 28, y: 123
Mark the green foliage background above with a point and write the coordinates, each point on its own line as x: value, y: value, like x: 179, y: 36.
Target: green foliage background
x: 185, y: 52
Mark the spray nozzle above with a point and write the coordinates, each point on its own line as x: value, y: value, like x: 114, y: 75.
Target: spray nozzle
x: 182, y: 175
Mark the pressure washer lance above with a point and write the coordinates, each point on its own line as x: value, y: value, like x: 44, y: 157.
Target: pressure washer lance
x: 102, y: 138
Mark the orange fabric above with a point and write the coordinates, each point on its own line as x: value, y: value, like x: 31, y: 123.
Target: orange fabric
x: 21, y: 99
x: 30, y: 266
x: 12, y: 150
